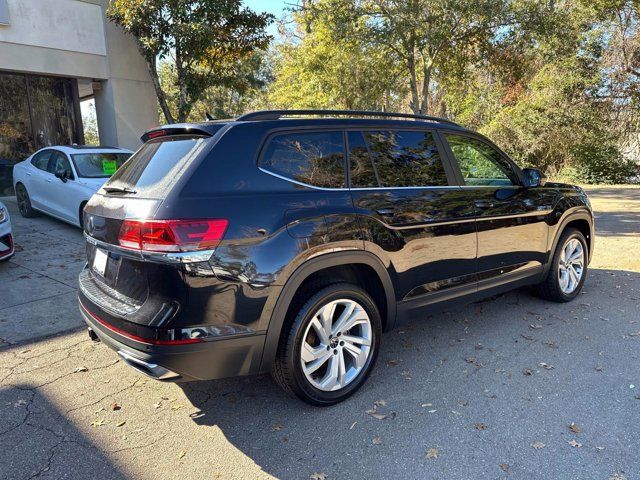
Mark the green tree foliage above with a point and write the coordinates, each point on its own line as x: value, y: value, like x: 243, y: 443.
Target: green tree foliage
x: 206, y: 40
x: 247, y: 92
x: 556, y: 84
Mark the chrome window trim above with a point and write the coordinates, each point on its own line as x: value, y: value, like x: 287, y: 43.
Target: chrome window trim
x: 175, y: 258
x: 344, y: 189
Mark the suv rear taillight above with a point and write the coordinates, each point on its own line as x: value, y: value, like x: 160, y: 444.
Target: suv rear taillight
x: 171, y: 235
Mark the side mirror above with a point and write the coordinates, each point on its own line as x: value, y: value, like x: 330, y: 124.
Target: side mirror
x: 533, y: 178
x: 62, y: 174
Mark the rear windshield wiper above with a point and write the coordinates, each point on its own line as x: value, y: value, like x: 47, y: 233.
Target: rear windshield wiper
x: 112, y: 189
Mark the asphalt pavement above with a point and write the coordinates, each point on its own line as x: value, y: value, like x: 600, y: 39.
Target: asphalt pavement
x: 512, y: 387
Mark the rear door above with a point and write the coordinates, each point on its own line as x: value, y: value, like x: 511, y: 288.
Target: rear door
x: 416, y: 218
x: 511, y: 219
x: 37, y: 179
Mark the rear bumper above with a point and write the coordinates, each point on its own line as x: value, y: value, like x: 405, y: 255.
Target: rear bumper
x: 209, y: 360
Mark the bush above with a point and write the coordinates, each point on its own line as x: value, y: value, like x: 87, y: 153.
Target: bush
x: 600, y: 163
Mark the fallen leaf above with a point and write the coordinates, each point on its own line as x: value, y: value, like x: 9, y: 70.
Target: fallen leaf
x: 574, y: 428
x: 97, y: 423
x: 463, y: 403
x: 538, y: 445
x: 121, y: 423
x: 635, y: 334
x: 424, y: 405
x: 535, y: 326
x: 115, y: 406
x: 432, y: 453
x: 575, y: 444
x: 352, y: 425
x: 550, y: 344
x: 277, y: 426
x: 504, y: 467
x: 182, y: 454
x: 526, y: 337
x: 176, y: 407
x: 101, y: 409
x: 470, y: 360
x: 318, y: 476
x: 380, y: 403
x: 527, y: 372
x: 157, y: 405
x: 480, y: 426
x: 392, y: 363
x: 599, y: 448
x: 376, y: 441
x: 81, y: 369
x: 21, y: 402
x: 599, y: 369
x: 479, y: 346
x: 546, y: 366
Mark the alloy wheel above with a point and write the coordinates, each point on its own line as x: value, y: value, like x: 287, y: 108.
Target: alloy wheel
x: 571, y: 266
x: 336, y: 344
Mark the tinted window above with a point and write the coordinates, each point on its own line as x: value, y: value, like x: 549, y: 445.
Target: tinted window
x: 98, y: 165
x: 362, y: 173
x: 59, y: 161
x: 41, y: 160
x: 480, y: 163
x: 157, y: 164
x: 313, y: 158
x: 406, y: 159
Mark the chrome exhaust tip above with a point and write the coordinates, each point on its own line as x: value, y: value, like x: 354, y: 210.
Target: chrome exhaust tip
x: 149, y: 369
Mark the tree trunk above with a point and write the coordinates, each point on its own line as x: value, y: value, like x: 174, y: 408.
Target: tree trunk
x: 413, y: 83
x: 426, y: 90
x: 162, y: 99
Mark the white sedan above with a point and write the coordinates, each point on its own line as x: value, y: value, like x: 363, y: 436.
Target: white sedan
x: 59, y: 181
x: 6, y: 240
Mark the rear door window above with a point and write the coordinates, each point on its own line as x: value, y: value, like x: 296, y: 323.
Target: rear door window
x: 403, y: 159
x: 41, y: 160
x: 313, y: 158
x: 153, y: 169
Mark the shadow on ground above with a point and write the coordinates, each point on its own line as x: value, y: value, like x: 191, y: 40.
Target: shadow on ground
x: 471, y: 383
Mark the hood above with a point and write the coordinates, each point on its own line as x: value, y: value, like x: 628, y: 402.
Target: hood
x: 92, y: 183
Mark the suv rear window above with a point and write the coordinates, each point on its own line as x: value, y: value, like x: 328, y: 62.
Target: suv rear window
x: 313, y: 158
x: 400, y: 159
x: 157, y: 165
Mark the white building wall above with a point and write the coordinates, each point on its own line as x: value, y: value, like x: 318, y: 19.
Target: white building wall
x: 73, y: 38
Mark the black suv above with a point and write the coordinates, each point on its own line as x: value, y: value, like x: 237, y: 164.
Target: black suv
x: 288, y: 241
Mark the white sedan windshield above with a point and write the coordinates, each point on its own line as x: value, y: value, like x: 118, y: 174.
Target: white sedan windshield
x: 98, y: 165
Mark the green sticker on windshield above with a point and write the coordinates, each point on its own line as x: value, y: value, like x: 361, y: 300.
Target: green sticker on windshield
x: 109, y: 167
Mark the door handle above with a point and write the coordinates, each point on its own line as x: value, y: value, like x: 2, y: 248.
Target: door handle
x: 28, y: 174
x: 484, y: 204
x: 386, y: 212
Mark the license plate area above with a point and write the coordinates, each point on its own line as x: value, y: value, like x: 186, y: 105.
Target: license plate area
x: 100, y: 260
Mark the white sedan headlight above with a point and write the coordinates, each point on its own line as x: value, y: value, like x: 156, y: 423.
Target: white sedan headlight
x: 4, y: 215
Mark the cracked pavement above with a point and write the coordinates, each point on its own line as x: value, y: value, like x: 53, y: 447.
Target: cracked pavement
x: 475, y: 386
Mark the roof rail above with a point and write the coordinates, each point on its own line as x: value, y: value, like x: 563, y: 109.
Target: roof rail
x: 278, y: 114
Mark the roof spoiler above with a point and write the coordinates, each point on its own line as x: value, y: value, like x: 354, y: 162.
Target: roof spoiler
x: 168, y: 130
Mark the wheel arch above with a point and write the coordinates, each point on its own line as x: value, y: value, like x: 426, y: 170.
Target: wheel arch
x: 305, y: 272
x: 581, y: 219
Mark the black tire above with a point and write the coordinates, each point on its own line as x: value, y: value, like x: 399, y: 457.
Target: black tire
x: 81, y: 215
x: 287, y: 369
x: 550, y: 288
x: 24, y: 202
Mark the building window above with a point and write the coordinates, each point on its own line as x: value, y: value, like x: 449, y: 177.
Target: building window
x: 35, y: 112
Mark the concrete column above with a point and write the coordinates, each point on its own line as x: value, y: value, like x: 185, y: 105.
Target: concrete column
x: 126, y: 104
